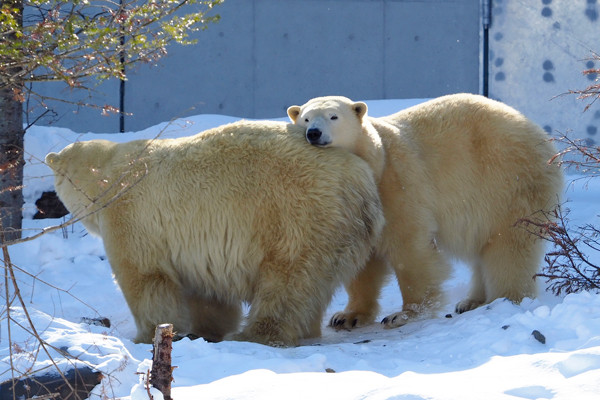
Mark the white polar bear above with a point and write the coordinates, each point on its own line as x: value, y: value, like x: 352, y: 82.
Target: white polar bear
x: 245, y: 212
x: 455, y: 174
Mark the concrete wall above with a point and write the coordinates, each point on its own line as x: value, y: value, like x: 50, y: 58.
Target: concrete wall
x: 539, y: 50
x: 265, y: 55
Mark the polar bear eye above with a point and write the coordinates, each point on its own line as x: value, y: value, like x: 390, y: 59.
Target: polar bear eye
x: 334, y: 117
x: 305, y: 119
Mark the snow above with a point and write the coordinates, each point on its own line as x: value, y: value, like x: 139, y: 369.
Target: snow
x: 491, y: 352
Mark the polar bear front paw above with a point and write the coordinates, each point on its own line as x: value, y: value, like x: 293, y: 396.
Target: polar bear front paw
x: 244, y: 337
x: 349, y: 320
x: 398, y: 319
x: 467, y: 305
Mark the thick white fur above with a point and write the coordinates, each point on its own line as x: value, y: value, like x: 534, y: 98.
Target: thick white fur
x: 246, y: 212
x: 455, y: 174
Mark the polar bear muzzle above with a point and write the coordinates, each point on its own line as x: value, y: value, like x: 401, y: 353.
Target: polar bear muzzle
x: 316, y: 138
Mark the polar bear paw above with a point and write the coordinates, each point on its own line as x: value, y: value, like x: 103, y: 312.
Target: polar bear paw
x: 245, y: 337
x: 398, y: 319
x: 467, y: 305
x: 349, y: 320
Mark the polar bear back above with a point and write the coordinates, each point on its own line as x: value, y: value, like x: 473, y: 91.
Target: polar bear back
x: 496, y: 158
x: 211, y: 207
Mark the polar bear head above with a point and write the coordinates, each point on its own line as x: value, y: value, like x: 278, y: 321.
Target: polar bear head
x: 82, y: 178
x: 330, y: 121
x: 77, y: 170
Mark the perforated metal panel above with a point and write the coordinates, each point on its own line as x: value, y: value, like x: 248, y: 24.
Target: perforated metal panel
x: 539, y: 49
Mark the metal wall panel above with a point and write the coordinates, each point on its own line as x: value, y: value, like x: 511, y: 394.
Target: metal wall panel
x: 265, y: 55
x: 432, y: 48
x: 538, y: 50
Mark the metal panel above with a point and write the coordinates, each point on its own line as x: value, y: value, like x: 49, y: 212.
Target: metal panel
x: 215, y: 76
x: 306, y: 49
x: 538, y: 50
x: 265, y: 55
x: 432, y: 48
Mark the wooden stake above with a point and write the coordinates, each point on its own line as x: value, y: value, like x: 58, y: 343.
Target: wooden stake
x: 161, y: 374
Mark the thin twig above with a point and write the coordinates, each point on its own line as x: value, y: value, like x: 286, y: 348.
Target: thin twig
x: 8, y: 305
x: 15, y: 285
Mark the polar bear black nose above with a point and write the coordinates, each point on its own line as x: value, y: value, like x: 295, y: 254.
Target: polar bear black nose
x: 313, y: 134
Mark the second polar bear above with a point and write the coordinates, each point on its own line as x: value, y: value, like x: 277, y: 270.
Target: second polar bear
x: 455, y: 174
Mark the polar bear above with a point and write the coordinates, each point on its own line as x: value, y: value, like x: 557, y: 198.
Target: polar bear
x: 455, y: 174
x: 246, y: 212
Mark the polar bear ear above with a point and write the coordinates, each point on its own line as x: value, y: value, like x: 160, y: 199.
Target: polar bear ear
x: 293, y: 113
x: 52, y: 159
x: 360, y: 109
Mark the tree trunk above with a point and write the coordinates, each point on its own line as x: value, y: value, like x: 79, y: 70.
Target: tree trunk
x: 11, y: 146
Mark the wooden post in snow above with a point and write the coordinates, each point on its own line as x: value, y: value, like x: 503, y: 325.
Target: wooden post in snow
x: 161, y: 374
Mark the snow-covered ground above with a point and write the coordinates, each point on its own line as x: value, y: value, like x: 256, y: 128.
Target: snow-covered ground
x: 488, y: 353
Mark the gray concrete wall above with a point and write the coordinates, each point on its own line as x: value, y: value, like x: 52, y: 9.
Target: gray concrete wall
x: 265, y: 55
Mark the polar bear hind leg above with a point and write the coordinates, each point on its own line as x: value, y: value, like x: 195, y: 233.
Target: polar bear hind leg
x: 506, y: 269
